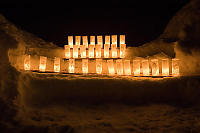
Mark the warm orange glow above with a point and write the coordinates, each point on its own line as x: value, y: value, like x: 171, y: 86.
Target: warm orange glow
x: 107, y: 40
x: 78, y: 40
x: 70, y: 41
x: 75, y: 51
x: 43, y: 61
x: 83, y: 51
x: 145, y: 67
x: 165, y: 67
x: 122, y: 39
x: 136, y: 67
x: 114, y: 50
x: 111, y: 69
x: 100, y: 40
x: 98, y: 51
x: 71, y: 65
x: 67, y: 51
x: 85, y: 66
x: 27, y: 62
x: 106, y: 50
x: 56, y: 64
x: 98, y: 66
x: 122, y: 50
x: 175, y: 67
x: 92, y: 40
x: 85, y: 41
x: 127, y: 67
x: 91, y: 51
x: 114, y: 39
x: 155, y: 67
x: 119, y: 67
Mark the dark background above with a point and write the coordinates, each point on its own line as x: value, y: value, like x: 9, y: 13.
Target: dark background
x: 140, y: 20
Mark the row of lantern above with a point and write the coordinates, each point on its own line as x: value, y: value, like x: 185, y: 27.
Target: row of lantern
x: 119, y: 66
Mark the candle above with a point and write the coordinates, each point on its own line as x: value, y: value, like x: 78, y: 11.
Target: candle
x: 107, y: 40
x: 136, y: 67
x: 114, y: 39
x: 145, y: 67
x: 92, y: 40
x: 155, y: 67
x: 85, y: 66
x: 106, y: 50
x: 175, y: 67
x: 75, y: 51
x: 122, y: 50
x: 78, y: 40
x: 98, y: 51
x: 100, y: 40
x: 43, y: 61
x: 122, y: 39
x: 165, y: 67
x: 127, y: 67
x: 56, y: 64
x: 67, y: 51
x: 119, y: 67
x: 98, y: 66
x: 70, y: 41
x: 83, y: 51
x: 85, y: 41
x: 91, y: 51
x: 71, y: 65
x: 27, y: 62
x: 114, y: 50
x: 111, y: 69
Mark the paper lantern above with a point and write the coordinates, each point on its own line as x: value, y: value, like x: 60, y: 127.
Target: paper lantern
x: 75, y: 51
x: 85, y: 66
x: 114, y: 40
x: 67, y: 51
x: 78, y: 40
x: 145, y: 67
x: 27, y: 62
x: 122, y: 50
x: 111, y: 69
x: 43, y: 61
x: 91, y: 51
x: 165, y: 67
x: 122, y: 39
x: 114, y: 50
x: 83, y: 51
x: 56, y: 64
x: 85, y: 41
x: 106, y: 50
x: 119, y: 67
x: 136, y: 67
x: 70, y: 41
x: 107, y: 40
x: 71, y: 65
x: 175, y: 67
x: 154, y: 67
x: 98, y: 51
x: 100, y: 40
x: 98, y: 66
x: 92, y: 40
x: 127, y: 67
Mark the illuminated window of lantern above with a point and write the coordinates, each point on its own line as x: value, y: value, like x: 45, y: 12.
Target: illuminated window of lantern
x: 83, y: 51
x: 67, y: 51
x: 71, y: 65
x: 70, y: 41
x: 56, y: 64
x: 122, y: 39
x: 78, y: 40
x: 127, y: 67
x: 85, y: 66
x: 114, y: 40
x: 122, y: 50
x: 27, y: 62
x: 91, y: 51
x: 145, y: 67
x: 114, y: 50
x: 98, y: 51
x: 75, y: 51
x: 136, y: 67
x: 175, y: 67
x: 119, y: 67
x: 107, y: 40
x: 111, y: 69
x: 92, y: 40
x: 85, y: 41
x: 155, y: 67
x: 106, y: 50
x: 165, y: 67
x: 100, y: 40
x: 98, y: 66
x: 43, y: 61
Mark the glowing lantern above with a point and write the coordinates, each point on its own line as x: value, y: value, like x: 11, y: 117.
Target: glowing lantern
x: 84, y: 66
x: 98, y: 51
x: 122, y: 39
x: 78, y: 40
x: 67, y: 51
x: 114, y: 50
x: 75, y: 51
x: 107, y: 40
x: 106, y: 50
x: 165, y: 67
x: 119, y: 67
x: 70, y: 41
x: 114, y: 39
x: 43, y: 61
x: 71, y: 65
x: 122, y: 50
x: 27, y: 62
x: 100, y: 40
x: 91, y: 51
x: 83, y: 51
x: 145, y: 67
x: 127, y: 67
x: 136, y: 67
x: 56, y: 64
x: 92, y: 40
x: 175, y: 67
x: 85, y: 41
x: 111, y: 69
x: 98, y: 66
x: 155, y: 67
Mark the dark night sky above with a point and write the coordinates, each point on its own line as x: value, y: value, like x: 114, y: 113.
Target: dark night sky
x: 140, y: 20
